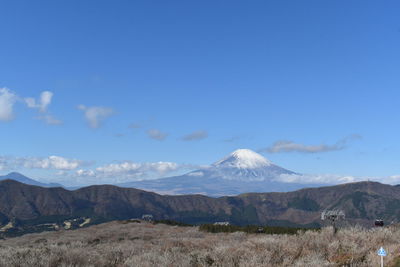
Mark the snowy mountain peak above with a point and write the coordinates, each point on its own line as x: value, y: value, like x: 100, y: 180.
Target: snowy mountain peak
x: 243, y: 159
x: 241, y: 171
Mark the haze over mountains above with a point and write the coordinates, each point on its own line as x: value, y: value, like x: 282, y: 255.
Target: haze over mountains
x: 242, y: 171
x: 23, y: 179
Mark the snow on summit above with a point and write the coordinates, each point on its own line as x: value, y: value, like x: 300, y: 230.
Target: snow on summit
x: 243, y: 159
x: 241, y: 171
x: 244, y: 165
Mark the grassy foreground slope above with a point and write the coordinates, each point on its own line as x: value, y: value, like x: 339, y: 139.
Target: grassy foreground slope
x: 144, y: 244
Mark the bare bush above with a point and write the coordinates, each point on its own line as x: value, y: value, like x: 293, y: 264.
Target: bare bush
x: 133, y: 244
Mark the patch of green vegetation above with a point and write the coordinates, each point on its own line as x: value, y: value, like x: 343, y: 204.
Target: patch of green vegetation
x: 244, y: 216
x: 240, y: 216
x: 43, y: 223
x: 284, y: 223
x: 200, y: 217
x: 304, y: 203
x: 45, y: 219
x: 251, y: 229
x: 84, y: 212
x: 173, y: 223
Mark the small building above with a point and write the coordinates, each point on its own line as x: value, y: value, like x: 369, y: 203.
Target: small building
x: 147, y: 217
x: 222, y: 223
x: 260, y: 230
x: 332, y: 215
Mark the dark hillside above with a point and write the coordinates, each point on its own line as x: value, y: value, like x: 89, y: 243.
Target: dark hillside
x: 362, y: 202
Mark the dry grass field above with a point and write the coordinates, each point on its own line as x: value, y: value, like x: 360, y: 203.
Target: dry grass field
x: 145, y: 244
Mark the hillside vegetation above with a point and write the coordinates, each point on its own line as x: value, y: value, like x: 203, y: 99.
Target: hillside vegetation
x: 144, y: 244
x: 31, y: 208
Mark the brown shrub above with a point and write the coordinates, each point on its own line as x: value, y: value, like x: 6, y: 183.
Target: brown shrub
x: 143, y: 244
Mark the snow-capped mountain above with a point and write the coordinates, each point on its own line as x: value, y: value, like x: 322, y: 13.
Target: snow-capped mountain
x: 242, y: 171
x: 243, y: 165
x: 243, y: 159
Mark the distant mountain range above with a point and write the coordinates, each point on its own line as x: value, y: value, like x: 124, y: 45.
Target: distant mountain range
x: 23, y: 179
x: 240, y: 172
x: 362, y: 203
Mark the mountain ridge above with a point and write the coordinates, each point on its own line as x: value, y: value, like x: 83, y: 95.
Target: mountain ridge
x: 362, y: 202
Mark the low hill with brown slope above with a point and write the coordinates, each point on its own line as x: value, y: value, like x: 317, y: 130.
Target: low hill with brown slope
x: 362, y: 202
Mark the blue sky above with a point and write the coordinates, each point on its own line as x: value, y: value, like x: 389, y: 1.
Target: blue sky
x: 314, y: 85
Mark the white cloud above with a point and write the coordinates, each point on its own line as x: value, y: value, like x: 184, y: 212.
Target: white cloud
x: 85, y: 173
x: 96, y: 115
x: 332, y: 179
x: 197, y: 135
x: 289, y: 146
x: 135, y: 125
x: 196, y: 174
x: 394, y: 179
x: 128, y: 171
x: 133, y: 168
x: 42, y: 104
x: 3, y: 163
x: 49, y: 119
x: 72, y: 172
x: 116, y: 168
x: 318, y: 178
x: 50, y: 163
x: 232, y: 139
x: 7, y: 101
x: 157, y: 134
